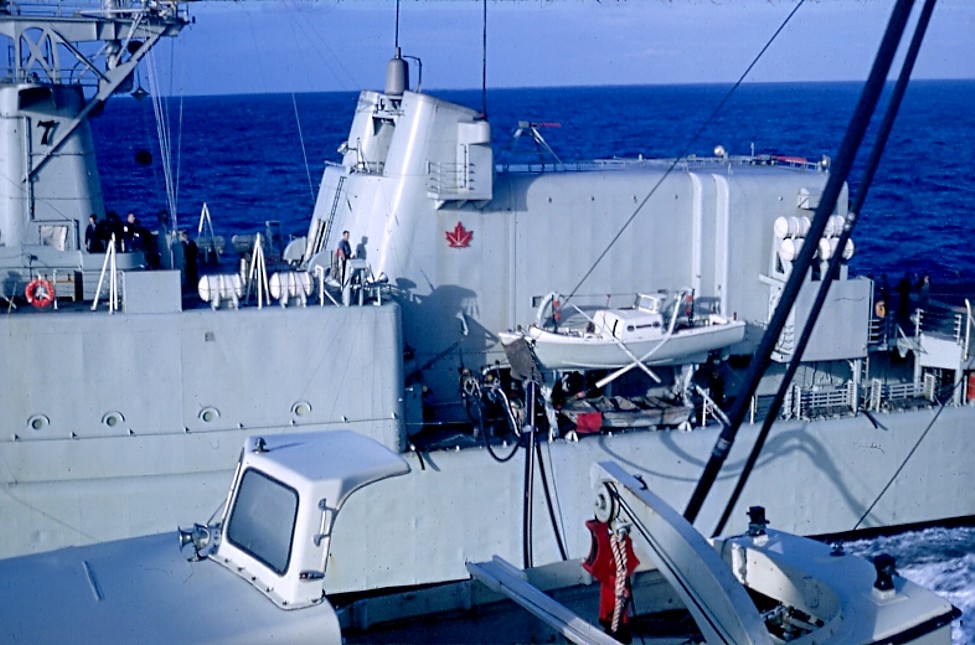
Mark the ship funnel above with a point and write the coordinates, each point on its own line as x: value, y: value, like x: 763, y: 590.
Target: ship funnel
x: 397, y: 75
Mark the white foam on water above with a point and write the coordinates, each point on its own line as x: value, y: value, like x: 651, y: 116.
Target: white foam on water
x: 940, y: 559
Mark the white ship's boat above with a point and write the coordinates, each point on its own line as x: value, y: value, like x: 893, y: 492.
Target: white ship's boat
x: 255, y: 575
x: 644, y: 333
x: 126, y: 397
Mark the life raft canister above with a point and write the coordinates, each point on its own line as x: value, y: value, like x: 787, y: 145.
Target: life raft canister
x: 39, y: 293
x: 602, y: 566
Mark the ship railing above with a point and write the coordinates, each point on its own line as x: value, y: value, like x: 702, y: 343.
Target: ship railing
x: 969, y: 325
x: 879, y: 395
x: 370, y: 167
x: 944, y: 322
x: 73, y: 7
x: 822, y: 401
x: 360, y: 286
x: 35, y: 76
x: 880, y: 332
x: 826, y: 401
x: 709, y: 408
x: 449, y: 179
x: 545, y: 167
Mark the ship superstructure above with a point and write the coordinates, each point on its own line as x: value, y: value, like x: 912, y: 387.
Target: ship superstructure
x: 397, y: 337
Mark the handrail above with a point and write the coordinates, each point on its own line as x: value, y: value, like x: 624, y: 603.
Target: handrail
x: 109, y: 267
x: 968, y: 329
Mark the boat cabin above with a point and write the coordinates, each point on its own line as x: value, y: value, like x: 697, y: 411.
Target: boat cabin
x: 629, y: 324
x: 645, y: 320
x: 283, y: 503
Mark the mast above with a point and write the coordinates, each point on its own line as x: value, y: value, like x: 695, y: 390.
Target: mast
x: 61, y: 67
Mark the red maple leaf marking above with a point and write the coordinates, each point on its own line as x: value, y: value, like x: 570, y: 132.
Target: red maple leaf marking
x: 460, y: 237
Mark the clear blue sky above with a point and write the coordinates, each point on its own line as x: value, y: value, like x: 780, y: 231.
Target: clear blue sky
x: 326, y: 45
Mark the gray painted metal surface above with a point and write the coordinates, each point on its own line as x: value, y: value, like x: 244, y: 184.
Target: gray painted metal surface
x: 121, y: 424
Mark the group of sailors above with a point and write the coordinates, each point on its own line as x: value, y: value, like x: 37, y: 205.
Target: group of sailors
x: 129, y: 235
x: 896, y: 309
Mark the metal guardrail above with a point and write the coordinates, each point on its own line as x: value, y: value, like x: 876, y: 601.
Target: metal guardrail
x: 685, y: 164
x: 848, y: 399
x: 450, y: 179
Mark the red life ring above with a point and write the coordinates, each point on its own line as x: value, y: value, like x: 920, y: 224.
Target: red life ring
x: 688, y: 305
x: 40, y: 293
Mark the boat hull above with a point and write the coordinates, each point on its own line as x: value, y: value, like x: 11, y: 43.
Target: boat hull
x: 580, y: 351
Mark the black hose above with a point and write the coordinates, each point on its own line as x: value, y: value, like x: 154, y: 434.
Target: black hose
x: 526, y: 517
x: 484, y: 435
x: 548, y: 502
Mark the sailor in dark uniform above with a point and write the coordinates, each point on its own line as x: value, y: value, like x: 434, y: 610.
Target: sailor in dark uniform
x: 342, y: 255
x: 93, y: 242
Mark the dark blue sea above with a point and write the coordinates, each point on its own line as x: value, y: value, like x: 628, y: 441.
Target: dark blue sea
x: 259, y: 157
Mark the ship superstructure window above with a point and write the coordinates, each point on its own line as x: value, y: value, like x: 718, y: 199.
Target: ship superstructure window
x: 263, y: 519
x: 55, y: 235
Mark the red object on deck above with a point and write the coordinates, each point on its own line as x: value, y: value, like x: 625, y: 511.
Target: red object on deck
x: 971, y: 386
x: 602, y: 567
x: 589, y: 422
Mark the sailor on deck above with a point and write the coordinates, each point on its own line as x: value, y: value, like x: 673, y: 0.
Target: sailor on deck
x: 342, y: 255
x: 93, y: 242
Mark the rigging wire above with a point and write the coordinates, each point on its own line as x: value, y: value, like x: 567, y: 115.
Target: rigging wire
x: 160, y: 108
x: 173, y: 217
x: 683, y: 153
x: 304, y: 149
x: 910, y: 453
x: 315, y: 39
x: 856, y: 130
x: 876, y: 153
x: 484, y: 61
x: 299, y: 25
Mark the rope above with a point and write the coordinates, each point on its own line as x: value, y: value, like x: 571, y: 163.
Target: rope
x: 304, y: 150
x: 616, y: 541
x: 683, y: 152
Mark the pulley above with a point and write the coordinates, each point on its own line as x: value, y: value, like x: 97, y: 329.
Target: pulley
x: 604, y: 504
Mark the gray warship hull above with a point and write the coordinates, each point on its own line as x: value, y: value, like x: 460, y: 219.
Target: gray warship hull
x: 122, y: 422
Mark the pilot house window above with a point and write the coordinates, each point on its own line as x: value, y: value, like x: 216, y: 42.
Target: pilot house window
x: 263, y: 519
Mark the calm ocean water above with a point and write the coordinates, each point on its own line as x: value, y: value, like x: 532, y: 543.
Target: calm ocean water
x: 245, y: 156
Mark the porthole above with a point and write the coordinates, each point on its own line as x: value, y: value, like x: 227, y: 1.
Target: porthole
x: 209, y: 414
x: 38, y: 422
x: 301, y: 408
x: 112, y: 419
